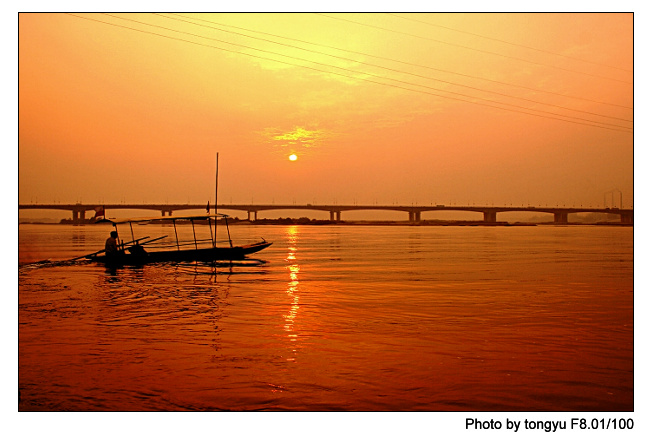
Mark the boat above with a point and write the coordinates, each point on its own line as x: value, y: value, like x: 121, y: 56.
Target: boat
x: 134, y: 253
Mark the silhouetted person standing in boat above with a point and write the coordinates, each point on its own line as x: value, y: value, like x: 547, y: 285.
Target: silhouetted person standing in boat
x: 111, y: 245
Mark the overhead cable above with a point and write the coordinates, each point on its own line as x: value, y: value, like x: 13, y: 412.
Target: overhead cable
x: 548, y: 115
x: 403, y: 72
x: 538, y: 90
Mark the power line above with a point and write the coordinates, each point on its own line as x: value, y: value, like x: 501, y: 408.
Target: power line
x: 470, y: 48
x: 548, y: 114
x: 507, y: 42
x: 376, y: 76
x: 399, y: 71
x: 553, y: 116
x: 399, y: 61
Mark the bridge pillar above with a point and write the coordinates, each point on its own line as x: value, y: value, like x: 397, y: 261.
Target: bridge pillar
x: 336, y: 215
x: 415, y: 216
x: 561, y: 218
x: 75, y: 215
x: 490, y: 216
x: 627, y: 218
x: 255, y: 213
x: 169, y: 212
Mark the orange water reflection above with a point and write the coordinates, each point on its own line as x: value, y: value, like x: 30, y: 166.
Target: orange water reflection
x: 292, y: 289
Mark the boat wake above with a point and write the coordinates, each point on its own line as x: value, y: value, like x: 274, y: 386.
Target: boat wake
x: 243, y: 266
x: 50, y: 263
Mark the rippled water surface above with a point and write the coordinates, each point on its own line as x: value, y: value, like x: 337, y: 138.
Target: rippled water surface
x: 338, y: 318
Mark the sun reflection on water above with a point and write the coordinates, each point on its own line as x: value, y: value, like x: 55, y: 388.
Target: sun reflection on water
x: 292, y: 288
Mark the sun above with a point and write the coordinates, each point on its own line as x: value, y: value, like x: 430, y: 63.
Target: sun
x: 292, y: 157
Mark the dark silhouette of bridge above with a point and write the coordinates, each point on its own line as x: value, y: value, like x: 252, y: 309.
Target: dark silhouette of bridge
x: 560, y: 214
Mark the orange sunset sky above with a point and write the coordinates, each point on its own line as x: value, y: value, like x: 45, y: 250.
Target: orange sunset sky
x: 441, y: 108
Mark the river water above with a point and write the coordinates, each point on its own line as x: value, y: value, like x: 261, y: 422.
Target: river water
x: 338, y: 318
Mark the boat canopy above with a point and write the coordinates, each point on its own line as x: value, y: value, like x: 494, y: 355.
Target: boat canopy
x: 205, y: 216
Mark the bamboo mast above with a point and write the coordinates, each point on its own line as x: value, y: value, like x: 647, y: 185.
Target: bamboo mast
x: 214, y: 238
x: 217, y: 168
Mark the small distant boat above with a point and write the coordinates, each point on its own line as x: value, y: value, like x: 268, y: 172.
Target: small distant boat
x: 134, y: 252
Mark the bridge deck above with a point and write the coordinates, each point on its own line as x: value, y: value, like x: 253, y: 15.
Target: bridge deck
x: 414, y: 212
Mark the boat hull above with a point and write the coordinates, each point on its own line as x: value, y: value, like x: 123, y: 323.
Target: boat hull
x: 184, y: 255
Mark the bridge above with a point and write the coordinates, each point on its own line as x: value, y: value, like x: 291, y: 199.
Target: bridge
x: 560, y: 214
